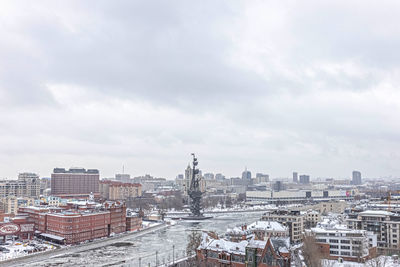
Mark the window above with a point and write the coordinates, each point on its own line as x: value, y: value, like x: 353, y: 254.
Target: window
x: 345, y: 253
x: 345, y: 247
x: 394, y: 241
x: 333, y: 252
x: 237, y: 258
x: 333, y: 240
x: 212, y: 254
x: 333, y: 246
x: 345, y: 241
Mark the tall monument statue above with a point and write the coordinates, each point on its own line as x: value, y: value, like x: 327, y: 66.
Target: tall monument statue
x: 195, y: 193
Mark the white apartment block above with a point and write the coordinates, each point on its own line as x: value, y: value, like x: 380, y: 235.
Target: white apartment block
x: 349, y: 244
x: 294, y: 220
x: 385, y: 224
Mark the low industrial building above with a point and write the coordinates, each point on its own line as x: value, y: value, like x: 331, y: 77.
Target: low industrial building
x: 297, y: 196
x: 77, y: 222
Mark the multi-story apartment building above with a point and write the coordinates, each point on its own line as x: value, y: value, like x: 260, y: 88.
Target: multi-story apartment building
x: 11, y: 204
x: 74, y: 182
x: 27, y: 185
x: 32, y: 182
x: 311, y: 218
x: 385, y: 224
x: 113, y: 190
x: 336, y: 241
x: 294, y: 220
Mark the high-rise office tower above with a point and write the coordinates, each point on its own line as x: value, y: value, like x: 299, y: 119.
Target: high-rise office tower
x: 246, y: 175
x: 356, y: 179
x: 75, y: 181
x: 304, y: 179
x: 295, y: 177
x: 262, y: 178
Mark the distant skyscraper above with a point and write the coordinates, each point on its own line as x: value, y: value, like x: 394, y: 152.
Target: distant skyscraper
x: 246, y: 175
x: 304, y: 179
x: 179, y: 177
x: 356, y: 178
x: 188, y: 179
x: 75, y: 181
x: 262, y: 178
x: 295, y: 177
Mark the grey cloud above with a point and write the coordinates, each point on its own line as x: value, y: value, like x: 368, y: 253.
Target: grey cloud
x: 275, y: 85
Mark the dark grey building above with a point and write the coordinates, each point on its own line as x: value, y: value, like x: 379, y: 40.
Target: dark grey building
x: 356, y: 179
x: 246, y: 175
x: 295, y: 178
x: 75, y: 181
x: 304, y: 179
x: 278, y: 186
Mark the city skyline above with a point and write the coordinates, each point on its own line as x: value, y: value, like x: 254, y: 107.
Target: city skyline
x: 206, y: 173
x: 276, y: 87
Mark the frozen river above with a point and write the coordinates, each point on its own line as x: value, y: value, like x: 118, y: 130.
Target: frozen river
x: 127, y: 253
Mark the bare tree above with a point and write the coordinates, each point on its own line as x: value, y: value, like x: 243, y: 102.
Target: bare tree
x: 194, y: 240
x: 311, y: 252
x: 378, y: 262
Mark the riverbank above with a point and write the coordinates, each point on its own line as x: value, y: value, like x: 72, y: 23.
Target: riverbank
x: 37, y: 257
x: 174, y: 214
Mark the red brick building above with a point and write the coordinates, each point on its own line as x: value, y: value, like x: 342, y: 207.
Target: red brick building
x: 133, y: 223
x: 273, y: 252
x: 75, y: 181
x: 77, y: 223
x: 18, y: 226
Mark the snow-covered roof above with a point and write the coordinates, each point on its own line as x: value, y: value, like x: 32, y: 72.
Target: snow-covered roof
x: 257, y: 243
x: 225, y: 245
x: 267, y: 226
x: 376, y: 213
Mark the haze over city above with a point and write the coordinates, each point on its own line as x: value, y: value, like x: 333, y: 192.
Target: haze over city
x: 274, y: 86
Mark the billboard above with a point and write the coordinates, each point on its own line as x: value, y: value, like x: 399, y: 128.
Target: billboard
x: 9, y: 228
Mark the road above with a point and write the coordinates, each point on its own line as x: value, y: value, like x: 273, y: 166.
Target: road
x: 40, y: 257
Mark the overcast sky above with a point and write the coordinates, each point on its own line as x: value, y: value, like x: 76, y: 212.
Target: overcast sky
x: 277, y: 86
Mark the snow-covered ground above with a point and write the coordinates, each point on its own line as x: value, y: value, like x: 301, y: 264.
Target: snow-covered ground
x: 16, y: 249
x: 382, y: 261
x: 148, y: 224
